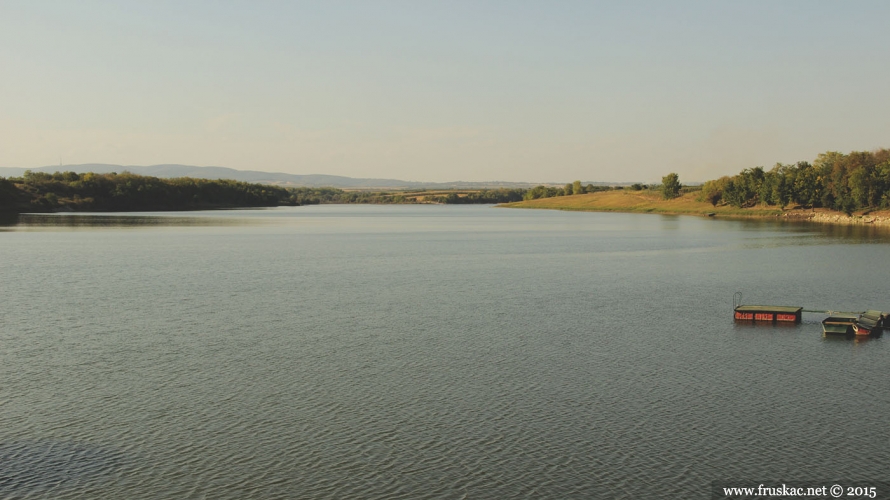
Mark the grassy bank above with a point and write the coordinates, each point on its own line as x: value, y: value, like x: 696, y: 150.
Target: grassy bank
x: 651, y: 202
x: 640, y: 202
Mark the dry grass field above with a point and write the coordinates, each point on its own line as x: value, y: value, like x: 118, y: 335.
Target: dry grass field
x: 641, y: 202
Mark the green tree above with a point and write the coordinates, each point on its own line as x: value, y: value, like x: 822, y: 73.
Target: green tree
x: 883, y: 174
x: 534, y: 193
x: 712, y: 191
x: 670, y: 186
x: 807, y: 185
x: 577, y: 188
x: 860, y: 186
x: 767, y: 188
x: 781, y: 188
x: 732, y: 194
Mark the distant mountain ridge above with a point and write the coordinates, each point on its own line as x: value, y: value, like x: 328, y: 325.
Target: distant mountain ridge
x: 174, y: 170
x: 310, y: 180
x: 278, y: 178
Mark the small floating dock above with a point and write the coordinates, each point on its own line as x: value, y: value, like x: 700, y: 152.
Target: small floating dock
x: 859, y: 323
x: 839, y: 324
x: 771, y: 314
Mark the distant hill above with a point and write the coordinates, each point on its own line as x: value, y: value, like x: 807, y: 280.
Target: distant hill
x: 278, y: 178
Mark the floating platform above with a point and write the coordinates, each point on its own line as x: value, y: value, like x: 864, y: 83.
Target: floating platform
x: 870, y: 322
x: 839, y: 324
x: 771, y: 314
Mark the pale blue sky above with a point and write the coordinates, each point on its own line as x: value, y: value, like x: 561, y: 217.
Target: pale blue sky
x: 443, y: 91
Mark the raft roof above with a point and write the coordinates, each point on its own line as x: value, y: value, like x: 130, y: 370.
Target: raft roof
x: 776, y: 309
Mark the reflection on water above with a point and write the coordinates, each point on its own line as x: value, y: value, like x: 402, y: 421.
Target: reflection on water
x: 8, y: 219
x: 863, y: 233
x: 852, y: 337
x: 765, y: 325
x: 859, y: 233
x: 25, y: 221
x: 762, y: 232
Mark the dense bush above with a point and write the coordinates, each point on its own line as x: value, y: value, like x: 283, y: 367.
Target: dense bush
x: 845, y: 182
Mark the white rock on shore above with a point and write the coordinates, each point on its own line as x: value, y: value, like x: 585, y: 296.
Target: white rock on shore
x: 849, y: 220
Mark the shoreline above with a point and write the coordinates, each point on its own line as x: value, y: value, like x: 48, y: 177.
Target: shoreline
x: 569, y: 204
x: 647, y: 203
x: 841, y: 218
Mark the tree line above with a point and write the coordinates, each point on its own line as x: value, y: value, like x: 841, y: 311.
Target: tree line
x: 311, y: 196
x: 482, y: 196
x: 570, y: 189
x: 44, y: 192
x: 859, y: 180
x: 41, y: 192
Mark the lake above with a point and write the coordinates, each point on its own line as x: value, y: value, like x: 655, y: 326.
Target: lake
x: 347, y: 351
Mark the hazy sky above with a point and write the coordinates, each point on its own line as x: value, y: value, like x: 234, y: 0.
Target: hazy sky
x: 444, y: 91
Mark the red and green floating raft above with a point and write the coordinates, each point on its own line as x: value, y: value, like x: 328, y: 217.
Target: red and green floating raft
x: 866, y: 323
x: 771, y: 314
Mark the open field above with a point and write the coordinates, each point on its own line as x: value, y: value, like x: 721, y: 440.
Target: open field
x: 639, y: 201
x: 651, y: 202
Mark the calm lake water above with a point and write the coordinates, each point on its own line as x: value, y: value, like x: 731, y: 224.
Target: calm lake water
x: 431, y: 352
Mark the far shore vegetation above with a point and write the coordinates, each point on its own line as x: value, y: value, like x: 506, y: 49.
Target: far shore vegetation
x: 858, y: 182
x: 69, y: 191
x: 126, y: 192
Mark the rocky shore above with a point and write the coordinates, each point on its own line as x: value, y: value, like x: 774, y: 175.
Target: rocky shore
x: 836, y: 218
